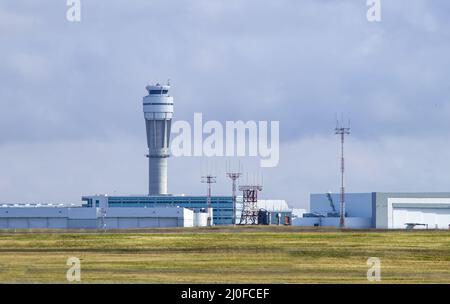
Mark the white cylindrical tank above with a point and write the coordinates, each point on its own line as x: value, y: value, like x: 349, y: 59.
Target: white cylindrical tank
x: 210, y: 220
x: 200, y: 219
x: 158, y: 112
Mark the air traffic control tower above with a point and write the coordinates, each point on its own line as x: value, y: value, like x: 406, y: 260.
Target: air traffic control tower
x: 158, y: 112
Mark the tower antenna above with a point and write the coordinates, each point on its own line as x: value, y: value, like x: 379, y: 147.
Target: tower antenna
x: 342, y: 131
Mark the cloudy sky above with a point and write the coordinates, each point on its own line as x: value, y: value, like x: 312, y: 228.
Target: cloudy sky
x: 71, y: 119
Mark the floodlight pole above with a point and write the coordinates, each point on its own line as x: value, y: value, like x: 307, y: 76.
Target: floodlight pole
x: 234, y: 176
x: 209, y: 179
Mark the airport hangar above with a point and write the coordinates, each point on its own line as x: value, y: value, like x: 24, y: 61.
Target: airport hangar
x: 382, y: 210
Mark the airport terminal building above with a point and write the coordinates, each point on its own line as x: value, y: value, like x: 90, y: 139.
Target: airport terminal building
x: 222, y: 206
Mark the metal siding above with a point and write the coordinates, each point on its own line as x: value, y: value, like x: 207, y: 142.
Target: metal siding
x: 37, y: 222
x: 112, y: 223
x: 374, y: 210
x: 356, y: 204
x: 128, y: 223
x: 167, y: 222
x: 57, y: 223
x: 82, y: 223
x: 18, y: 223
x: 148, y: 222
x: 3, y: 223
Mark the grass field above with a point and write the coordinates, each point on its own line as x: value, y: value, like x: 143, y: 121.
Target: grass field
x: 226, y: 255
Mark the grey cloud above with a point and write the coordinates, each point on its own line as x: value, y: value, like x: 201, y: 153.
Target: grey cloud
x: 299, y: 62
x: 293, y: 61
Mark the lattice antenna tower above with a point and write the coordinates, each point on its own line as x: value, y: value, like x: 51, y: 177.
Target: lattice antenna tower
x: 249, y: 214
x: 342, y: 130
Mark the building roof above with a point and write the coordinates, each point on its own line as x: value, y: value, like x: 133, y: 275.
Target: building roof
x: 274, y: 205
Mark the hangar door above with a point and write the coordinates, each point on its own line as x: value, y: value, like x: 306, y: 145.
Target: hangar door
x: 433, y: 217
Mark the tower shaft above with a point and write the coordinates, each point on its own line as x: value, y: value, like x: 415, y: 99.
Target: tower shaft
x: 157, y: 168
x: 158, y: 112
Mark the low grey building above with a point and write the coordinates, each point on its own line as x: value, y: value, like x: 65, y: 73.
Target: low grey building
x: 52, y: 217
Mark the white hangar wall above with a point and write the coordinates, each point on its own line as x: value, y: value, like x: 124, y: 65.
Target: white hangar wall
x: 395, y: 210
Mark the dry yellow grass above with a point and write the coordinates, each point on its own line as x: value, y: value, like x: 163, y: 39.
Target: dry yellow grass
x: 226, y: 255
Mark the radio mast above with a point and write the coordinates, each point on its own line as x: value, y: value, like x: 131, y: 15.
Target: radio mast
x: 342, y: 131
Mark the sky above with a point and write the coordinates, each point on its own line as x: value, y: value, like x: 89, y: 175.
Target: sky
x: 71, y: 121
